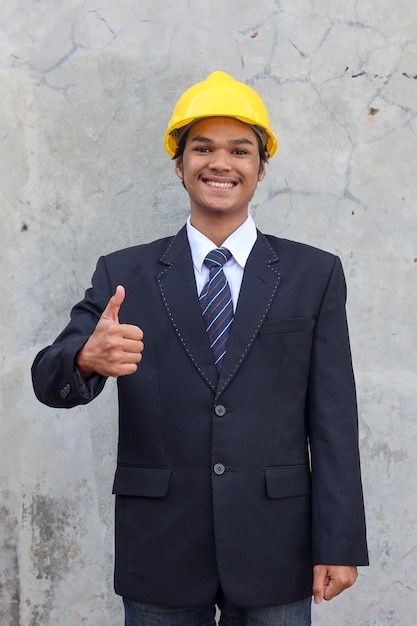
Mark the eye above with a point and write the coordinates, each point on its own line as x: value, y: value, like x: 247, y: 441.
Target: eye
x: 202, y: 149
x: 240, y: 152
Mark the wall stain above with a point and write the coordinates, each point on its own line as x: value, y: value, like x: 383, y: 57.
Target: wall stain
x: 55, y: 527
x: 50, y: 520
x: 9, y: 571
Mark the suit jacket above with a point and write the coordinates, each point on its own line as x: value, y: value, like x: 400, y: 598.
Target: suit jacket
x: 244, y: 481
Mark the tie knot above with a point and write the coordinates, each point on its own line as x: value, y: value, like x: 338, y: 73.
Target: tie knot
x: 217, y: 257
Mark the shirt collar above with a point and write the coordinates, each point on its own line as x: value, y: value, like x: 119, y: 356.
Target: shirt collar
x: 240, y: 243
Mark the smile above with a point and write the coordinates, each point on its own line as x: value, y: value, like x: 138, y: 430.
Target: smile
x: 217, y: 185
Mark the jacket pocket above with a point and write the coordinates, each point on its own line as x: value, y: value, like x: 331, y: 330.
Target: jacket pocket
x: 287, y: 325
x: 288, y: 481
x: 149, y: 482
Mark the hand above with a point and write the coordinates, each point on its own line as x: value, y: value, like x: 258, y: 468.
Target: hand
x: 330, y: 580
x: 113, y: 349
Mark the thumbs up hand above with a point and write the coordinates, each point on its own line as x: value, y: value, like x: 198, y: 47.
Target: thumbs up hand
x: 113, y: 349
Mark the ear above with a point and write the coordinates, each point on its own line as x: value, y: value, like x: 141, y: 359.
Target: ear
x: 178, y: 168
x: 262, y: 171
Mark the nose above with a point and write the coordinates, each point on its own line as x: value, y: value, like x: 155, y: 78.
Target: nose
x: 220, y: 161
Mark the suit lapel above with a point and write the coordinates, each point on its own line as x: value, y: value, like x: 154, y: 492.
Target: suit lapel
x: 179, y: 295
x: 261, y: 281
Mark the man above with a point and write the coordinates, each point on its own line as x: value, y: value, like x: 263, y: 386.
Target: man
x: 238, y: 477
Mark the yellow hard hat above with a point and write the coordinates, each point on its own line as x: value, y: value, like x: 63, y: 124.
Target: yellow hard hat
x: 220, y: 95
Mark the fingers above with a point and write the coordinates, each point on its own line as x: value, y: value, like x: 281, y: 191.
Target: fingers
x: 114, y: 351
x: 122, y: 363
x: 128, y: 332
x: 319, y: 583
x: 111, y: 312
x: 330, y: 580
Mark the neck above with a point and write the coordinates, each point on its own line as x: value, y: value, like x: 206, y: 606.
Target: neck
x: 217, y: 230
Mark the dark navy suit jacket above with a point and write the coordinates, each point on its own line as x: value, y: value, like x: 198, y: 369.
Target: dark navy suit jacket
x: 245, y: 481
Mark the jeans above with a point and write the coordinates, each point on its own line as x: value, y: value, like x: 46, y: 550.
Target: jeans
x: 142, y: 614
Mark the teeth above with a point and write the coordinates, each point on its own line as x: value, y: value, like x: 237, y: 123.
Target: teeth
x: 217, y: 185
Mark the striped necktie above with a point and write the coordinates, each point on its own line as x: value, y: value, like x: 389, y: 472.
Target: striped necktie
x: 216, y: 304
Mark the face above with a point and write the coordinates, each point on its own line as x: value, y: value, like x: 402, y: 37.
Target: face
x: 220, y: 167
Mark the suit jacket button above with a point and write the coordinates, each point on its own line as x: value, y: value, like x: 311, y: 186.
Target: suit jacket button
x: 219, y: 469
x: 65, y: 391
x: 220, y: 410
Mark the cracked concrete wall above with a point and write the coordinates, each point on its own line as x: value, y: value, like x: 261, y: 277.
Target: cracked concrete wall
x: 86, y: 91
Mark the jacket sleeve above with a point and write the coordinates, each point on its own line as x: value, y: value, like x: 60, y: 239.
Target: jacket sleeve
x: 56, y: 379
x: 338, y: 519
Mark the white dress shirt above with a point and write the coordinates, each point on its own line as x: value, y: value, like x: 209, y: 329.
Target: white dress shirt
x: 240, y: 244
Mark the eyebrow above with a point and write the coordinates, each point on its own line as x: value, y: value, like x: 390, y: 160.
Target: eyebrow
x: 232, y: 142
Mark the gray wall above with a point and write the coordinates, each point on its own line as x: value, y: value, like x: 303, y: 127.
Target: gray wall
x: 87, y: 88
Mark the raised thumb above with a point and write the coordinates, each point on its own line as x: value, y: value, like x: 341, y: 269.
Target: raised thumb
x: 111, y: 312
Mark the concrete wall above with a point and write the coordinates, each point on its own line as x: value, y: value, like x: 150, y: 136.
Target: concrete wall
x: 87, y: 88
